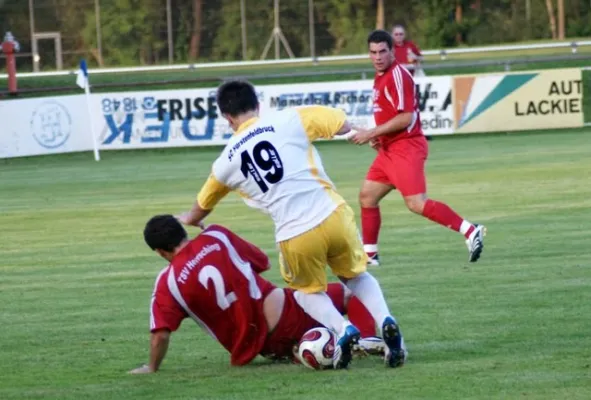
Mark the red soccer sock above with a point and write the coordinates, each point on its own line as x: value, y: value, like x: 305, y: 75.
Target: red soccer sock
x: 371, y: 220
x: 336, y: 292
x: 361, y: 318
x: 444, y: 215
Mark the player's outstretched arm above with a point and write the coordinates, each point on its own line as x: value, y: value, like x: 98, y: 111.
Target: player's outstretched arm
x: 158, y: 347
x: 195, y: 216
x: 321, y: 122
x: 396, y: 124
x: 346, y: 128
x: 210, y: 194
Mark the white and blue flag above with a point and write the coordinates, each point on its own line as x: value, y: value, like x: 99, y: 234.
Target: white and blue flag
x: 82, y: 81
x: 82, y: 75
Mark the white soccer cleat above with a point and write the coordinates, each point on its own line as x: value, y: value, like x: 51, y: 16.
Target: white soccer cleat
x: 373, y: 261
x: 373, y: 345
x: 475, y: 242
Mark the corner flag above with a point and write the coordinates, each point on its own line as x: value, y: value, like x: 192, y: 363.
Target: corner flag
x: 84, y: 83
x: 82, y: 75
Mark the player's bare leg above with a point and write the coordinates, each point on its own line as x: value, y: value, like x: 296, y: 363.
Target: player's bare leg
x: 442, y: 214
x: 369, y: 198
x: 367, y: 289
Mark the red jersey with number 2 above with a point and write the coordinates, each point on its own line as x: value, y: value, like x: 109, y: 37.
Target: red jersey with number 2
x: 214, y: 281
x: 395, y: 93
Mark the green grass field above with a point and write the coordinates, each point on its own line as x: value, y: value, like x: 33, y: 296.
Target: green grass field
x: 76, y: 277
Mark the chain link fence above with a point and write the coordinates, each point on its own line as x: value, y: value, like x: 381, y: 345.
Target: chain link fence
x: 55, y: 34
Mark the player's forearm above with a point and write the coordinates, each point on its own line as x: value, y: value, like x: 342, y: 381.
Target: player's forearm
x: 158, y: 348
x: 195, y: 216
x: 346, y: 128
x: 395, y: 125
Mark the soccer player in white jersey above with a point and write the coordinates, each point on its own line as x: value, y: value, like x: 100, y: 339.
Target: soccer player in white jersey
x: 271, y: 162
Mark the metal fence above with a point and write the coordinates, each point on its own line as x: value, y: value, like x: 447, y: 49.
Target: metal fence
x: 570, y: 54
x: 55, y: 34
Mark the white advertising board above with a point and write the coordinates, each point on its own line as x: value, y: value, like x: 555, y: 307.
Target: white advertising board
x: 43, y: 126
x: 188, y: 117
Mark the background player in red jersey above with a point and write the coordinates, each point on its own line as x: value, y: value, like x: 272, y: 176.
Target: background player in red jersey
x: 405, y: 51
x: 402, y: 152
x: 214, y: 280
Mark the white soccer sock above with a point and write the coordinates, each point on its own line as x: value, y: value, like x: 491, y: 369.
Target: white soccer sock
x: 370, y: 248
x: 320, y: 307
x: 367, y: 289
x: 466, y: 225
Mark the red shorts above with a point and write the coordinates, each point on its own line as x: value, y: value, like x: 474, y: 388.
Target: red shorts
x: 294, y: 322
x: 402, y: 165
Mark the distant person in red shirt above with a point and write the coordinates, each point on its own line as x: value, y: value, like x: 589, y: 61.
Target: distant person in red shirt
x: 214, y: 280
x: 402, y: 153
x: 405, y: 51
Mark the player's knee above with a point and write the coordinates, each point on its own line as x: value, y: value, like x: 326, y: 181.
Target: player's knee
x: 367, y: 199
x: 415, y: 204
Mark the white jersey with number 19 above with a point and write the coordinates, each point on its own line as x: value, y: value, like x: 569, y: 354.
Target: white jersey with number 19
x: 271, y: 162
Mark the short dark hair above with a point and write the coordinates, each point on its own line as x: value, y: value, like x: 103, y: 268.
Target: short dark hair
x: 164, y: 232
x: 237, y: 97
x: 379, y: 36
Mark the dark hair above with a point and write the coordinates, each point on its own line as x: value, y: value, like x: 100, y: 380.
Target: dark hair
x: 164, y: 232
x: 380, y: 36
x: 237, y: 97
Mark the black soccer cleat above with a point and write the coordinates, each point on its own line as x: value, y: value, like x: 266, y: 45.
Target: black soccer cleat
x: 395, y: 352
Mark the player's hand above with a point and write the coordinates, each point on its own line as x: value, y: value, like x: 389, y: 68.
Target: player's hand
x: 144, y: 369
x: 361, y: 136
x: 375, y: 144
x: 185, y: 219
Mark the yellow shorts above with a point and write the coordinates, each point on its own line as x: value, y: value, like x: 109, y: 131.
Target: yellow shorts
x: 335, y: 242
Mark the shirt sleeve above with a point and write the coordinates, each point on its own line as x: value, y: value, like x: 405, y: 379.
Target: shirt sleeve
x: 404, y: 90
x: 165, y: 313
x: 211, y: 192
x: 321, y: 122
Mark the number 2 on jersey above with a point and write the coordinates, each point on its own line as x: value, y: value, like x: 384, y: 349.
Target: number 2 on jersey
x: 211, y: 273
x: 225, y: 299
x: 267, y: 159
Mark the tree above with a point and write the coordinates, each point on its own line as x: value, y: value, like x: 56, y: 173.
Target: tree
x: 131, y: 32
x: 459, y: 17
x: 561, y: 19
x: 347, y: 23
x: 196, y: 31
x: 552, y: 18
x: 380, y: 14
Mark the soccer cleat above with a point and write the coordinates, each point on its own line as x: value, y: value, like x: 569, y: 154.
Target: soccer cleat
x: 373, y: 261
x: 344, y: 348
x: 395, y: 351
x: 372, y: 345
x: 475, y: 242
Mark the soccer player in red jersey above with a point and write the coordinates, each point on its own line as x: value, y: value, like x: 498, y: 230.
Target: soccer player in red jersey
x: 402, y: 152
x: 405, y: 51
x: 214, y: 280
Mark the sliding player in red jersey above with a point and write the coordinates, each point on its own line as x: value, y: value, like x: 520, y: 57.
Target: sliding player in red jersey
x: 402, y: 152
x: 214, y: 280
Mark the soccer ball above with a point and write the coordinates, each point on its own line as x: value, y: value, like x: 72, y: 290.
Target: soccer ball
x: 316, y: 348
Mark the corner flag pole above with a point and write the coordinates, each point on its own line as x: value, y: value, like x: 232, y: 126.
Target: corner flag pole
x: 84, y: 83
